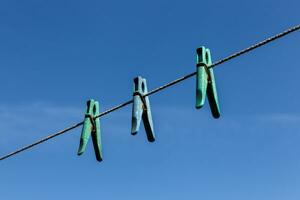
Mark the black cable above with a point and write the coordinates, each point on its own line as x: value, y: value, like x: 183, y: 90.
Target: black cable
x: 219, y: 62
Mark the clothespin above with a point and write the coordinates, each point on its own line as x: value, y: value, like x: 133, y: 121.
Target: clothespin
x: 141, y: 109
x: 205, y: 82
x: 91, y: 126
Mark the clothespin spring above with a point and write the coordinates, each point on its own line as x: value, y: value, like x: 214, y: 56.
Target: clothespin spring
x: 142, y: 98
x: 202, y: 64
x: 92, y: 119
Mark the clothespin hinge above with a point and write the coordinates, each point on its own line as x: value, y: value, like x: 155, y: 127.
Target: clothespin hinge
x: 206, y: 67
x: 142, y: 98
x: 92, y: 119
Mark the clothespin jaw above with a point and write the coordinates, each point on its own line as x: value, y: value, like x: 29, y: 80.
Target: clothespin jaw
x: 205, y: 82
x: 91, y: 127
x: 141, y: 109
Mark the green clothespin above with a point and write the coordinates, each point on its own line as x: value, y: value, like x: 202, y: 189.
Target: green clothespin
x: 91, y: 126
x: 205, y: 82
x: 141, y: 109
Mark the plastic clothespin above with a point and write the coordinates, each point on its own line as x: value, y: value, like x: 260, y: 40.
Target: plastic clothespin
x: 91, y: 126
x: 141, y: 109
x: 205, y: 82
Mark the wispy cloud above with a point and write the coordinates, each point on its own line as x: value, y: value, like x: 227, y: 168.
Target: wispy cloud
x: 20, y: 122
x: 283, y: 118
x: 28, y: 122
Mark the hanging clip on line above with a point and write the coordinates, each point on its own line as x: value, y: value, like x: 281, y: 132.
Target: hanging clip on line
x: 91, y: 126
x: 141, y: 109
x: 205, y: 82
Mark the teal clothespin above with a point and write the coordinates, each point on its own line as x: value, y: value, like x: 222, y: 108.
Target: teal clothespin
x: 91, y: 126
x: 205, y: 82
x: 141, y: 109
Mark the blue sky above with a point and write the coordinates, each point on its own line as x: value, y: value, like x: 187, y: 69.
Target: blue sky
x: 54, y: 55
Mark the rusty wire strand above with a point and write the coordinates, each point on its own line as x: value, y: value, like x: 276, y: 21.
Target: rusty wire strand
x: 219, y: 62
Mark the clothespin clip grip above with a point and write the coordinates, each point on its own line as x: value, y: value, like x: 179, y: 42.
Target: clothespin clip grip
x: 91, y: 126
x: 141, y: 109
x: 205, y: 82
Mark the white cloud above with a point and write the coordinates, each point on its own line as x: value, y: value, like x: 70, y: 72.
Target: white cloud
x: 281, y: 118
x: 23, y: 122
